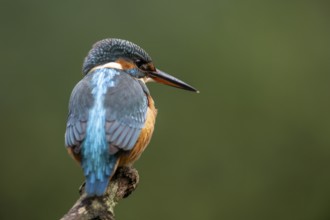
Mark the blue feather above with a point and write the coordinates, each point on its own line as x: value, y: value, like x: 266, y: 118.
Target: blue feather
x: 97, y: 163
x: 128, y: 136
x: 97, y: 182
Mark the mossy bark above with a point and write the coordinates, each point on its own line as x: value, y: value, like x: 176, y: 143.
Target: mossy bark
x: 122, y: 184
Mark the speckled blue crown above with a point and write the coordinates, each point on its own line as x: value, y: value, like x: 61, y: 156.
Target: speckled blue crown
x: 109, y: 50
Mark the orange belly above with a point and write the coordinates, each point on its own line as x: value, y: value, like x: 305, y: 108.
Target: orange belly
x: 130, y: 157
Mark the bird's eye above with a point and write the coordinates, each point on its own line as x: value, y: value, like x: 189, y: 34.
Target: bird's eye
x: 139, y: 63
x: 144, y: 67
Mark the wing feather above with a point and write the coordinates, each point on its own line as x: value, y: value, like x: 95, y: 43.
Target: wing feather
x: 115, y: 135
x: 128, y: 136
x: 81, y: 101
x: 125, y: 104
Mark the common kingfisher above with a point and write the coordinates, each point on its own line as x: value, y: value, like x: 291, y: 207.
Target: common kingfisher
x: 111, y: 113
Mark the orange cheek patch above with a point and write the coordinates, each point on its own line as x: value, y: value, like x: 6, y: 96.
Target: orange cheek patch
x: 125, y: 64
x: 149, y: 67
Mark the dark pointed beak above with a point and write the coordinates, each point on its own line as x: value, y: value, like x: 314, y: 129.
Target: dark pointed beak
x: 164, y: 78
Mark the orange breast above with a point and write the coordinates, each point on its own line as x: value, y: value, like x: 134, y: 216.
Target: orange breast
x: 144, y: 138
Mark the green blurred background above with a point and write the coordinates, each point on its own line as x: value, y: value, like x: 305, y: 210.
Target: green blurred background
x: 254, y: 144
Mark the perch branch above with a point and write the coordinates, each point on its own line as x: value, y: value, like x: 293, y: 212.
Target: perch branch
x: 122, y: 184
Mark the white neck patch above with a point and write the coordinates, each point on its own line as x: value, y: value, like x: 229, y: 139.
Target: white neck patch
x: 112, y: 65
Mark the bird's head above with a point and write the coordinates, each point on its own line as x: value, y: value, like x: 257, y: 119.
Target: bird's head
x: 125, y: 55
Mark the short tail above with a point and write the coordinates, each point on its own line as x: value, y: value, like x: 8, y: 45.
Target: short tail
x: 97, y: 179
x: 96, y: 187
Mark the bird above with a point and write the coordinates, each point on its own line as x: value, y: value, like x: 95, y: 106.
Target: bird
x: 111, y: 112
